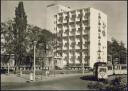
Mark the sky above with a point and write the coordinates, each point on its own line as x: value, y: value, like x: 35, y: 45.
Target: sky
x: 36, y: 13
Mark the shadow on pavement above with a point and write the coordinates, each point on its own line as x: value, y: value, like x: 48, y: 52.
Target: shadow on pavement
x: 92, y: 78
x: 89, y: 77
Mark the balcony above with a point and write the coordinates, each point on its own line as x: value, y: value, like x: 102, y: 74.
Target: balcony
x: 77, y: 26
x: 85, y: 18
x: 66, y: 58
x: 72, y: 33
x: 84, y: 46
x: 59, y: 25
x: 79, y: 43
x: 73, y: 16
x: 85, y: 23
x: 65, y: 20
x: 85, y: 32
x: 65, y: 14
x: 87, y: 27
x: 79, y: 59
x: 73, y: 44
x: 77, y: 19
x: 77, y: 47
x: 72, y: 59
x: 66, y: 31
x: 79, y: 14
x: 65, y: 48
x: 58, y: 48
x: 59, y: 21
x: 66, y: 44
x: 72, y: 20
x: 77, y: 39
x: 65, y: 27
x: 60, y: 15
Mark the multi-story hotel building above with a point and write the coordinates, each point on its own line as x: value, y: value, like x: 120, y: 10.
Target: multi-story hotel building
x: 53, y: 9
x: 81, y: 36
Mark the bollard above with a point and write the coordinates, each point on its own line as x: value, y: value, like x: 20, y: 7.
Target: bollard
x: 31, y: 76
x: 46, y: 73
x: 20, y: 72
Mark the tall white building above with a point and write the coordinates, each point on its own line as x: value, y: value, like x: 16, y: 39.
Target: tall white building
x: 53, y: 9
x: 82, y: 36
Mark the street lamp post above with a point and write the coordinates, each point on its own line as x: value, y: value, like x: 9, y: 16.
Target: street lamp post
x: 8, y: 68
x: 83, y: 67
x: 34, y: 59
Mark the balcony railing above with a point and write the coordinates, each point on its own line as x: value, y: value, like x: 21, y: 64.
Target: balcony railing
x: 72, y: 32
x: 87, y: 27
x: 77, y: 47
x: 66, y: 44
x: 59, y: 21
x: 85, y: 32
x: 66, y: 31
x: 85, y: 47
x: 73, y: 16
x: 85, y: 18
x: 79, y: 43
x: 72, y: 20
x: 73, y: 44
x: 77, y: 19
x: 65, y: 21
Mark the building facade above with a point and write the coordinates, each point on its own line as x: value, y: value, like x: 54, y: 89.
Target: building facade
x: 53, y: 9
x: 81, y: 36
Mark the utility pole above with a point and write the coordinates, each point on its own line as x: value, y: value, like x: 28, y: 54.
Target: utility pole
x: 34, y: 59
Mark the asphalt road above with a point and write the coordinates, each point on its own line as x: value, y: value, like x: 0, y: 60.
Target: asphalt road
x: 66, y: 83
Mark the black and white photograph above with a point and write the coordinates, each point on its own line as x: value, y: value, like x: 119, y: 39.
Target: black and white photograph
x: 64, y: 45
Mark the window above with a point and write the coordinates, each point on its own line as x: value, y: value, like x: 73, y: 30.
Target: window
x: 99, y: 44
x: 117, y: 67
x: 109, y: 67
x: 123, y: 67
x: 99, y: 30
x: 103, y: 32
x: 99, y: 16
x: 102, y: 69
x: 99, y: 23
x: 99, y: 37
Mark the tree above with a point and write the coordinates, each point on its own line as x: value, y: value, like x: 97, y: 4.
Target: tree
x: 7, y: 43
x: 117, y: 51
x: 19, y: 37
x: 19, y: 26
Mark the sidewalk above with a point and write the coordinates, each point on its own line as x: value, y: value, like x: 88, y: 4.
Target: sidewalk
x: 26, y: 77
x: 12, y: 78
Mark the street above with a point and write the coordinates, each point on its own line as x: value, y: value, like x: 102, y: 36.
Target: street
x: 69, y: 82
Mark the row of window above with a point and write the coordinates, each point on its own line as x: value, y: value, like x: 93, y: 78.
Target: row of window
x: 71, y: 20
x: 74, y: 12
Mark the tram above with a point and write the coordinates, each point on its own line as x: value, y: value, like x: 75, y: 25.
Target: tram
x: 102, y: 70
